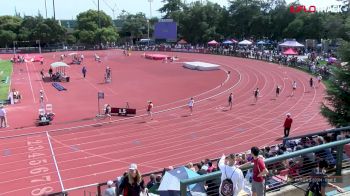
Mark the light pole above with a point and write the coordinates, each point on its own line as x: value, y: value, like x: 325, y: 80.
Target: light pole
x: 54, y: 11
x: 150, y: 8
x: 14, y: 47
x: 148, y: 30
x: 38, y: 42
x: 45, y: 9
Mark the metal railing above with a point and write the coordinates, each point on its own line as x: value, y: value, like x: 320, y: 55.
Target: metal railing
x: 97, y: 188
x: 339, y: 145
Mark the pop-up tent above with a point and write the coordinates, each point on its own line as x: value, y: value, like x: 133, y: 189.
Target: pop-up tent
x: 182, y: 41
x: 290, y: 51
x: 213, y: 42
x: 228, y: 42
x: 60, y: 67
x: 291, y: 44
x: 170, y: 185
x: 245, y: 42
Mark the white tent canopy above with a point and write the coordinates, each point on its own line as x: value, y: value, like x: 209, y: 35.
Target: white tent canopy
x: 245, y: 42
x: 291, y: 44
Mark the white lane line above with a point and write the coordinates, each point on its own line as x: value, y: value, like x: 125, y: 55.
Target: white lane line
x: 30, y: 82
x: 54, y: 160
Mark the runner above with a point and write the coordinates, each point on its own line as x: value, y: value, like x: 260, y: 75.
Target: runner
x: 230, y: 98
x: 311, y: 83
x: 84, y: 71
x: 256, y: 94
x: 294, y: 86
x: 149, y: 109
x: 190, y: 105
x: 278, y: 90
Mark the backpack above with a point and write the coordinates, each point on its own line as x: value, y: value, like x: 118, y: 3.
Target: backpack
x: 314, y: 188
x: 227, y: 185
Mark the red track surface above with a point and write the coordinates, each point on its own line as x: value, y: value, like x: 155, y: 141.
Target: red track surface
x: 86, y: 154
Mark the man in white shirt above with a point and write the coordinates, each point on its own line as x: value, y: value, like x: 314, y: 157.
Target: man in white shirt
x: 229, y: 170
x: 3, y: 119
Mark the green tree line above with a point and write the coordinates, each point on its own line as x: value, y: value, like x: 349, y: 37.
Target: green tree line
x: 197, y: 23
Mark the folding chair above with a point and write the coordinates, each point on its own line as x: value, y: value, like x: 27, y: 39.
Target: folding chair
x: 49, y: 108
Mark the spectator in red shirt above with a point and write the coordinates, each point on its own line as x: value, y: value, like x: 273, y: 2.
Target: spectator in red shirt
x: 287, y: 125
x: 259, y: 171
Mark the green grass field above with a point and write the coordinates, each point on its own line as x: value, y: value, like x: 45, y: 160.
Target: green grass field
x: 5, y: 77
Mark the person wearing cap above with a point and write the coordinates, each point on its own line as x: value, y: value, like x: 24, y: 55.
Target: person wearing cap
x: 132, y: 184
x: 3, y: 118
x: 110, y: 191
x: 287, y: 125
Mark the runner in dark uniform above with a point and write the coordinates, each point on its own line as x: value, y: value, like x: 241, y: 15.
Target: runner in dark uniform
x: 256, y: 94
x: 230, y: 100
x: 278, y: 89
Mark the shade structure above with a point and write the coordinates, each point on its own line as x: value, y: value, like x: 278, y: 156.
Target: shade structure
x: 291, y: 44
x: 228, y: 42
x: 245, y: 42
x: 290, y: 51
x: 59, y: 64
x: 170, y: 185
x: 261, y: 43
x: 234, y: 41
x: 213, y: 42
x: 182, y: 41
x: 72, y: 54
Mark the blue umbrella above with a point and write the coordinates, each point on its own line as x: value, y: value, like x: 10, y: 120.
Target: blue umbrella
x: 228, y: 42
x: 170, y: 185
x: 261, y: 43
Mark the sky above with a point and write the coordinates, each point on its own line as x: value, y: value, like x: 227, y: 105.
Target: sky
x: 69, y: 9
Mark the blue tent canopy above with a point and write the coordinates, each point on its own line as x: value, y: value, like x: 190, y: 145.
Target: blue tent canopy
x: 261, y: 43
x: 228, y: 42
x: 170, y: 185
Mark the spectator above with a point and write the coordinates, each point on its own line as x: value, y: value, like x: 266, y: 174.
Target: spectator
x: 201, y: 169
x: 318, y: 182
x: 259, y: 171
x: 152, y: 181
x: 154, y: 188
x: 287, y: 125
x: 190, y: 166
x: 231, y: 176
x: 110, y: 191
x: 211, y: 167
x: 132, y: 184
x: 3, y: 118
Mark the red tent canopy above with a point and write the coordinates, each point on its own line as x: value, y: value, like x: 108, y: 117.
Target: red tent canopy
x: 182, y: 41
x: 290, y: 51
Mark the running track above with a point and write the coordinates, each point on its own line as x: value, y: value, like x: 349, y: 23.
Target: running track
x: 64, y: 156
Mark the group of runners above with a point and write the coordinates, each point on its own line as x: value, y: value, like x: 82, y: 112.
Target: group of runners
x: 256, y: 94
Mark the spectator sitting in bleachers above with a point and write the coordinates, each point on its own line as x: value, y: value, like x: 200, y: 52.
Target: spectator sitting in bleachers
x: 190, y: 166
x: 110, y: 191
x: 152, y: 181
x: 154, y: 188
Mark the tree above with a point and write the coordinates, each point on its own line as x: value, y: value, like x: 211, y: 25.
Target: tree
x: 88, y: 30
x: 337, y: 110
x: 135, y: 26
x: 7, y: 37
x: 171, y: 6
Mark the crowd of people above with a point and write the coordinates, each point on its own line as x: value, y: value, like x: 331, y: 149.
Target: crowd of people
x: 235, y: 181
x: 270, y: 54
